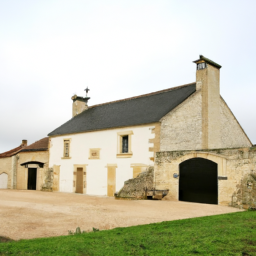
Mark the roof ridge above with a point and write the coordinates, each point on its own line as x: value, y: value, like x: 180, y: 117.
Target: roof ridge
x: 11, y: 152
x: 34, y: 143
x: 143, y: 95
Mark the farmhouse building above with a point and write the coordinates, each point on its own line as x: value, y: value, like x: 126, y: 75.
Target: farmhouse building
x: 25, y: 167
x: 8, y: 165
x: 179, y: 130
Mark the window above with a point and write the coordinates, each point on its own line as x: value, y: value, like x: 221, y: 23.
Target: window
x: 66, y: 149
x: 124, y: 144
x: 201, y: 65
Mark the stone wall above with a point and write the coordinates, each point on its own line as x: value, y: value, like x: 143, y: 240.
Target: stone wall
x: 48, y: 180
x: 136, y: 188
x: 232, y: 135
x: 233, y: 164
x: 6, y: 167
x: 182, y: 127
x: 22, y: 171
x: 245, y: 193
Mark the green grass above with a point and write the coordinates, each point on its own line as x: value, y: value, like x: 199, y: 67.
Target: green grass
x: 228, y: 234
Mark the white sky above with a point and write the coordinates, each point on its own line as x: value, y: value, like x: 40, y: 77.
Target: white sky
x: 50, y: 50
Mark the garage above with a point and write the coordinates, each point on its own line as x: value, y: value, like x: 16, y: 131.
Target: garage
x: 3, y: 181
x: 198, y: 181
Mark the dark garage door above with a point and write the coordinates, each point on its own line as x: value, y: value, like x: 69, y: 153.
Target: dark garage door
x: 198, y: 181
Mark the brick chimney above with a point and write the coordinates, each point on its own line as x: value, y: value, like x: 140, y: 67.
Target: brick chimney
x: 24, y: 143
x: 79, y: 103
x: 208, y: 82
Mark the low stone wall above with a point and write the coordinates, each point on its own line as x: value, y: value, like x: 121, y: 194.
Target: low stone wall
x: 245, y: 194
x: 48, y: 181
x: 236, y: 172
x: 136, y: 188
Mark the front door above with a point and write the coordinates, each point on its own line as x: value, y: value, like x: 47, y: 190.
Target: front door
x: 198, y: 181
x: 32, y: 174
x: 79, y: 180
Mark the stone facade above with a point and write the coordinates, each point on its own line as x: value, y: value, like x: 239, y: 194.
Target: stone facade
x: 6, y: 165
x: 22, y: 171
x: 202, y: 121
x: 232, y: 134
x: 48, y: 180
x: 245, y: 194
x: 182, y: 127
x: 233, y: 164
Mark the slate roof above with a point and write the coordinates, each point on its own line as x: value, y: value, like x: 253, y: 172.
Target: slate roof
x: 143, y: 109
x: 12, y: 152
x: 40, y: 145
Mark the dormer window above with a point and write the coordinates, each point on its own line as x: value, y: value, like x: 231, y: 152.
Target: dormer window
x: 201, y: 65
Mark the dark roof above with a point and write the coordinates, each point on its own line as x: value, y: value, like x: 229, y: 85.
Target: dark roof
x: 40, y: 145
x: 144, y: 109
x: 208, y: 61
x: 12, y: 152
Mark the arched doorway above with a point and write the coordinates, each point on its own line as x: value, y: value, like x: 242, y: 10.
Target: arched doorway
x: 3, y: 180
x: 198, y: 181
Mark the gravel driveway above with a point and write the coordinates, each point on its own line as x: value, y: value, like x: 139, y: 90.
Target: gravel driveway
x: 28, y: 214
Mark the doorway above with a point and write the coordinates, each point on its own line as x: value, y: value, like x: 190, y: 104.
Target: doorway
x: 79, y: 180
x: 32, y: 175
x: 198, y: 181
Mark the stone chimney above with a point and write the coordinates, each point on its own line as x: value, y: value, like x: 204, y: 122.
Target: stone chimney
x: 208, y: 83
x: 24, y: 143
x: 79, y: 103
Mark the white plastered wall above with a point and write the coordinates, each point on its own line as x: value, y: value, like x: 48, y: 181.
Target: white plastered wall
x: 96, y: 169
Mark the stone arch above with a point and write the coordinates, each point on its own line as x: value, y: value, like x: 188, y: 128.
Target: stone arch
x: 198, y: 181
x: 221, y: 161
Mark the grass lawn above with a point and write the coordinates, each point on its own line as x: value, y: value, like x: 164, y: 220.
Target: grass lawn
x: 227, y: 234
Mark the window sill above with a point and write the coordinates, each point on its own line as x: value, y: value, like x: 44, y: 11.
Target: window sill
x: 93, y: 158
x: 124, y: 155
x: 66, y: 158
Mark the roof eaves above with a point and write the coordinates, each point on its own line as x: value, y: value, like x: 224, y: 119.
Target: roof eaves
x: 97, y: 130
x: 34, y: 149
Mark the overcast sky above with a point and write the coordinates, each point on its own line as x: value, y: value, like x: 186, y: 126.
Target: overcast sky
x: 50, y: 50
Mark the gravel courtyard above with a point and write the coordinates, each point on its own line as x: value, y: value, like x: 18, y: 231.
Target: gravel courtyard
x: 29, y: 214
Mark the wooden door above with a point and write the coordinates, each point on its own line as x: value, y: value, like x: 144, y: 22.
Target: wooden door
x: 79, y: 180
x: 111, y: 181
